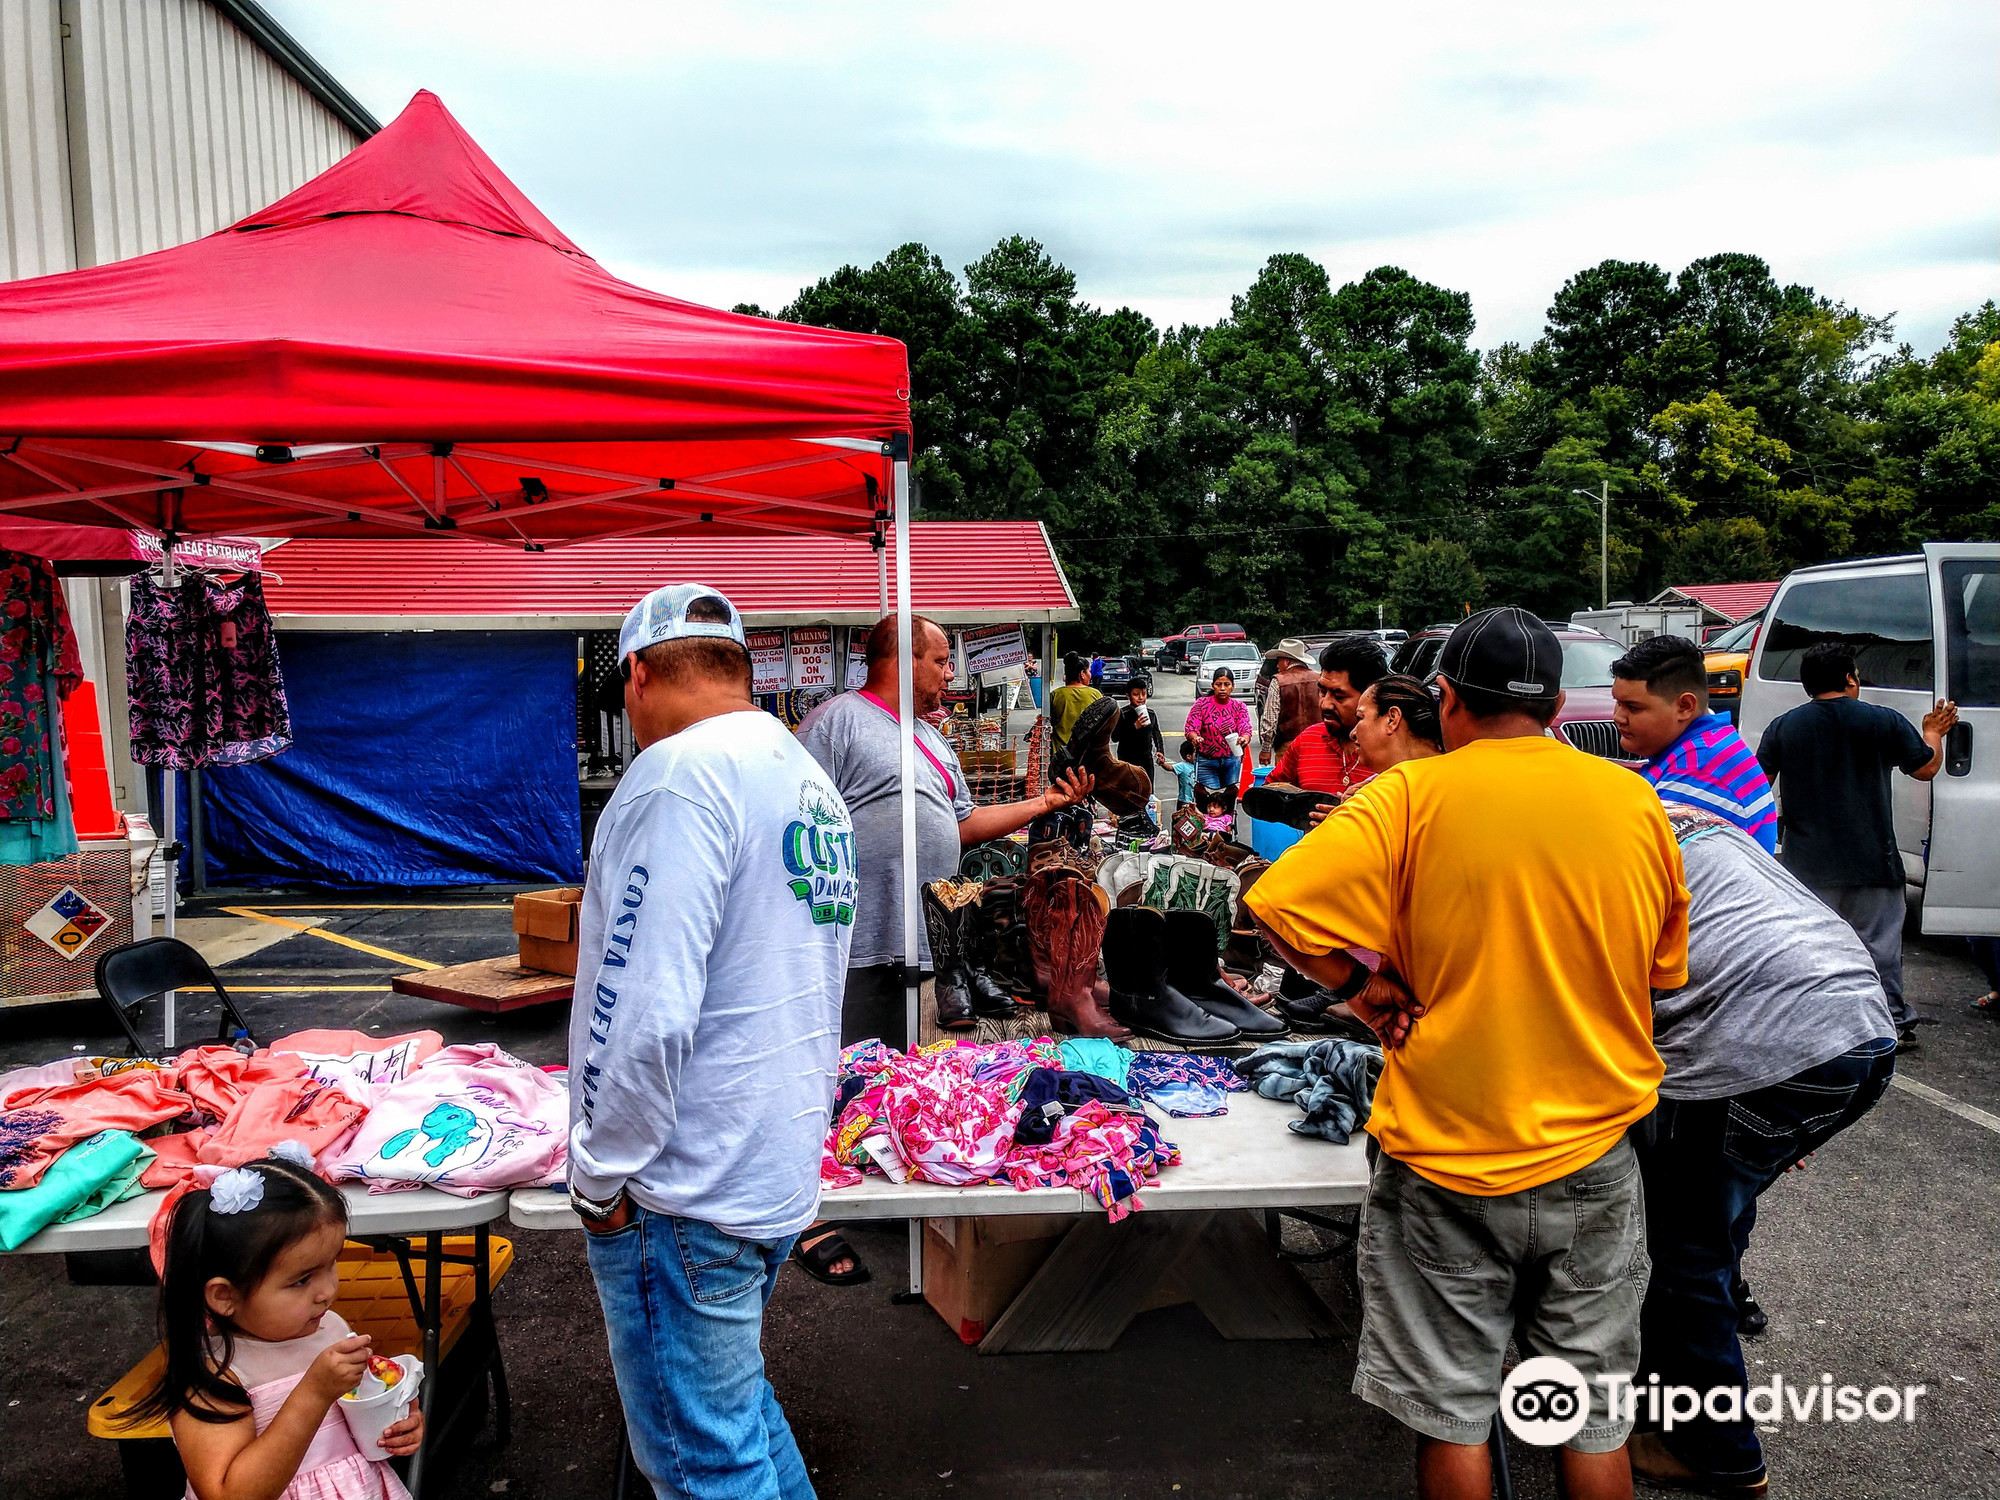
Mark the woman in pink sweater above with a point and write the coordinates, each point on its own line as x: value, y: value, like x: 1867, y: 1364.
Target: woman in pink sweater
x: 1219, y: 725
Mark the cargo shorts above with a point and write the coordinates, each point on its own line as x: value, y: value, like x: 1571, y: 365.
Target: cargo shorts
x: 1447, y: 1278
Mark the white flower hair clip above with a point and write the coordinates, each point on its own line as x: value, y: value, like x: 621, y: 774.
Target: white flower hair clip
x: 236, y: 1191
x: 293, y: 1152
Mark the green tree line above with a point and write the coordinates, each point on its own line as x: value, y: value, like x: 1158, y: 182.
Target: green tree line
x: 1329, y: 456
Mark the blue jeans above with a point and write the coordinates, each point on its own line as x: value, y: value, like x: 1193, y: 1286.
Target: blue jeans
x: 1703, y: 1163
x: 684, y: 1307
x: 1217, y: 770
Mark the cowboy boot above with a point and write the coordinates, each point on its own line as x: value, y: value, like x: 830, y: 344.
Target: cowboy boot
x: 1135, y: 966
x: 992, y: 972
x: 941, y: 923
x: 1065, y: 918
x: 1192, y: 969
x: 1121, y: 786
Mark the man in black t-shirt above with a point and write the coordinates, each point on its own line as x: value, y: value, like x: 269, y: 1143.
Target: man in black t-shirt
x: 1830, y: 760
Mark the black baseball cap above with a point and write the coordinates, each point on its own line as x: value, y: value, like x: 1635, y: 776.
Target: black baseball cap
x: 1505, y: 651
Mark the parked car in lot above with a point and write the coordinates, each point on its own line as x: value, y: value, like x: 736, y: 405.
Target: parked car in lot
x: 1172, y: 654
x: 1725, y: 658
x: 1241, y: 657
x: 1923, y: 626
x: 1216, y: 633
x: 1147, y: 657
x: 1117, y: 672
x: 1584, y: 720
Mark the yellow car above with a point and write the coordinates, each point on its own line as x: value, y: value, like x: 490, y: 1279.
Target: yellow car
x: 1726, y: 658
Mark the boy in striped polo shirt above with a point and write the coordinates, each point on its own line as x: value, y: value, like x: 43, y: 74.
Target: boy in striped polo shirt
x: 1693, y: 756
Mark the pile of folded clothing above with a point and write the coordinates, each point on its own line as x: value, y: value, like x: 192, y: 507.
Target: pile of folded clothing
x: 1332, y: 1082
x: 1031, y: 1113
x: 80, y: 1134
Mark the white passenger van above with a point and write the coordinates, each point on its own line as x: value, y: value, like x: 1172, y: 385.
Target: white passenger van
x: 1923, y: 627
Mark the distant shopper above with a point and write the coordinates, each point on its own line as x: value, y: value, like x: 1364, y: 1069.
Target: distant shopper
x: 1505, y: 1202
x: 714, y: 932
x: 1097, y: 671
x: 1324, y: 758
x: 1780, y: 1039
x: 1219, y: 725
x: 1137, y: 737
x: 1660, y: 692
x: 1291, y: 700
x: 1067, y: 703
x: 1830, y: 760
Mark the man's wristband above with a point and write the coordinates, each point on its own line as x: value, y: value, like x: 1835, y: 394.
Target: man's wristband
x: 1354, y: 984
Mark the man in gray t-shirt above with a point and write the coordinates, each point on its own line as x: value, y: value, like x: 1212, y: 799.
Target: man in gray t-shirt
x: 1780, y: 1039
x: 857, y: 738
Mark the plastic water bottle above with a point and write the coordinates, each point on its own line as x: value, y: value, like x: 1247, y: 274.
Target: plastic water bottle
x: 240, y: 1040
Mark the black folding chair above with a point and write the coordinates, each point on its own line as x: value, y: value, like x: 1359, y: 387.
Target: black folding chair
x: 138, y: 973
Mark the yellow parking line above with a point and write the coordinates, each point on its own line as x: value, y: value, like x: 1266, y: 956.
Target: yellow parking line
x: 360, y: 906
x: 332, y: 937
x: 307, y: 989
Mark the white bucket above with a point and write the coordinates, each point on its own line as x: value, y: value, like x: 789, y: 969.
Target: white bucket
x: 369, y: 1416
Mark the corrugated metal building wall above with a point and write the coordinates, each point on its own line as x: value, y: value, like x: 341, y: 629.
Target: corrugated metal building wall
x: 35, y: 211
x: 186, y: 124
x: 127, y: 126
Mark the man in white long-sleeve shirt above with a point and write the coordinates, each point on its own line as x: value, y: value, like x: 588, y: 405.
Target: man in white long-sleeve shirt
x: 710, y: 964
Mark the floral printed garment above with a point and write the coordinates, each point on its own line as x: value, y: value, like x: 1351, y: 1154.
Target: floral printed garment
x: 203, y: 674
x: 37, y: 653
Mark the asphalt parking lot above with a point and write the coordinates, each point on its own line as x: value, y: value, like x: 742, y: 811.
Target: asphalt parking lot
x: 1877, y: 1264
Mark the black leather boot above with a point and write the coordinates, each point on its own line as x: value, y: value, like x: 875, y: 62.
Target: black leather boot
x: 1192, y: 969
x: 1135, y: 963
x: 954, y: 999
x: 991, y: 975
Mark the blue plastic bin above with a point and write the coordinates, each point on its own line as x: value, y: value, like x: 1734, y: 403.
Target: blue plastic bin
x: 1270, y: 839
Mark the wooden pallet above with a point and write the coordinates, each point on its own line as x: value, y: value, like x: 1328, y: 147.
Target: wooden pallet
x: 494, y: 985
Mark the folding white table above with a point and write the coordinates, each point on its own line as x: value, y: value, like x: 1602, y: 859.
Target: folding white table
x: 1199, y: 1229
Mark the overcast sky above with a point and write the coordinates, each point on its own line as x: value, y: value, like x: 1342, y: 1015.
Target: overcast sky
x: 730, y: 153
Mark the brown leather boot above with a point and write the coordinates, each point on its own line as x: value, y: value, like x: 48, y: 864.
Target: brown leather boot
x: 1121, y: 786
x: 1066, y: 916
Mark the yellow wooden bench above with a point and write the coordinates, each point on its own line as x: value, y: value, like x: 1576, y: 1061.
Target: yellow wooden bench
x: 373, y: 1298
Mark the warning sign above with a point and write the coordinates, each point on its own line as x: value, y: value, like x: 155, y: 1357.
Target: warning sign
x: 68, y: 923
x: 812, y: 656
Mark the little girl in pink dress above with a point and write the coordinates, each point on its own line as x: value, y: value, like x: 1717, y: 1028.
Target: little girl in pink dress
x: 257, y: 1360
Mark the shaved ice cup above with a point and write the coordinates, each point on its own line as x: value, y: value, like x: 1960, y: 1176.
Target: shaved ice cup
x: 372, y: 1408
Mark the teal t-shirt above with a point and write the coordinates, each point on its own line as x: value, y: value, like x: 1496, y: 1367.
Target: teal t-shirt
x: 86, y: 1179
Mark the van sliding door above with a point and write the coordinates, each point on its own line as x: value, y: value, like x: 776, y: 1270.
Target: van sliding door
x: 1962, y: 888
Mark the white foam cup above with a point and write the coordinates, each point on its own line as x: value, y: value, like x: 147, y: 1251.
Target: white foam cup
x: 374, y: 1408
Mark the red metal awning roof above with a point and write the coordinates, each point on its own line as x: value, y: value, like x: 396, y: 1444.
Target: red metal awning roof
x: 1733, y: 601
x: 964, y: 572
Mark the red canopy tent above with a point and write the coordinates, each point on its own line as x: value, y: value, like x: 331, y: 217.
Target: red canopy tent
x: 406, y: 345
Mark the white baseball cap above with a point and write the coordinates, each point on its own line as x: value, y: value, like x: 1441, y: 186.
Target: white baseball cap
x: 662, y: 616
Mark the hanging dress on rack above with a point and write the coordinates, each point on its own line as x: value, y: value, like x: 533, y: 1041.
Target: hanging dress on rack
x: 39, y: 667
x: 202, y: 674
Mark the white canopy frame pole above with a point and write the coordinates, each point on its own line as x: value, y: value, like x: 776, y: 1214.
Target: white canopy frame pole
x: 170, y: 810
x: 906, y: 721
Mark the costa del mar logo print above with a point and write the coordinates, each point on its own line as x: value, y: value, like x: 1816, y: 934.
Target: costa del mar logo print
x: 819, y: 856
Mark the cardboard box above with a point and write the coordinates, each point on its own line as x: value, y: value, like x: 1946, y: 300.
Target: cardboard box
x: 545, y: 922
x: 973, y: 1268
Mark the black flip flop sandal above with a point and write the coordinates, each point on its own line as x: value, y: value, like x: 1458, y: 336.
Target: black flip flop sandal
x: 816, y: 1259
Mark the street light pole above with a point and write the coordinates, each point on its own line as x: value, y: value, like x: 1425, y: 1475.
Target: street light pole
x: 1603, y: 499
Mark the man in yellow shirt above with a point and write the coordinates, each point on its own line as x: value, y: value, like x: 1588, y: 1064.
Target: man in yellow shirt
x: 1531, y: 898
x: 1067, y: 703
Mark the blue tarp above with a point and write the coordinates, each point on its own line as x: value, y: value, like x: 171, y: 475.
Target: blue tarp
x: 427, y: 759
